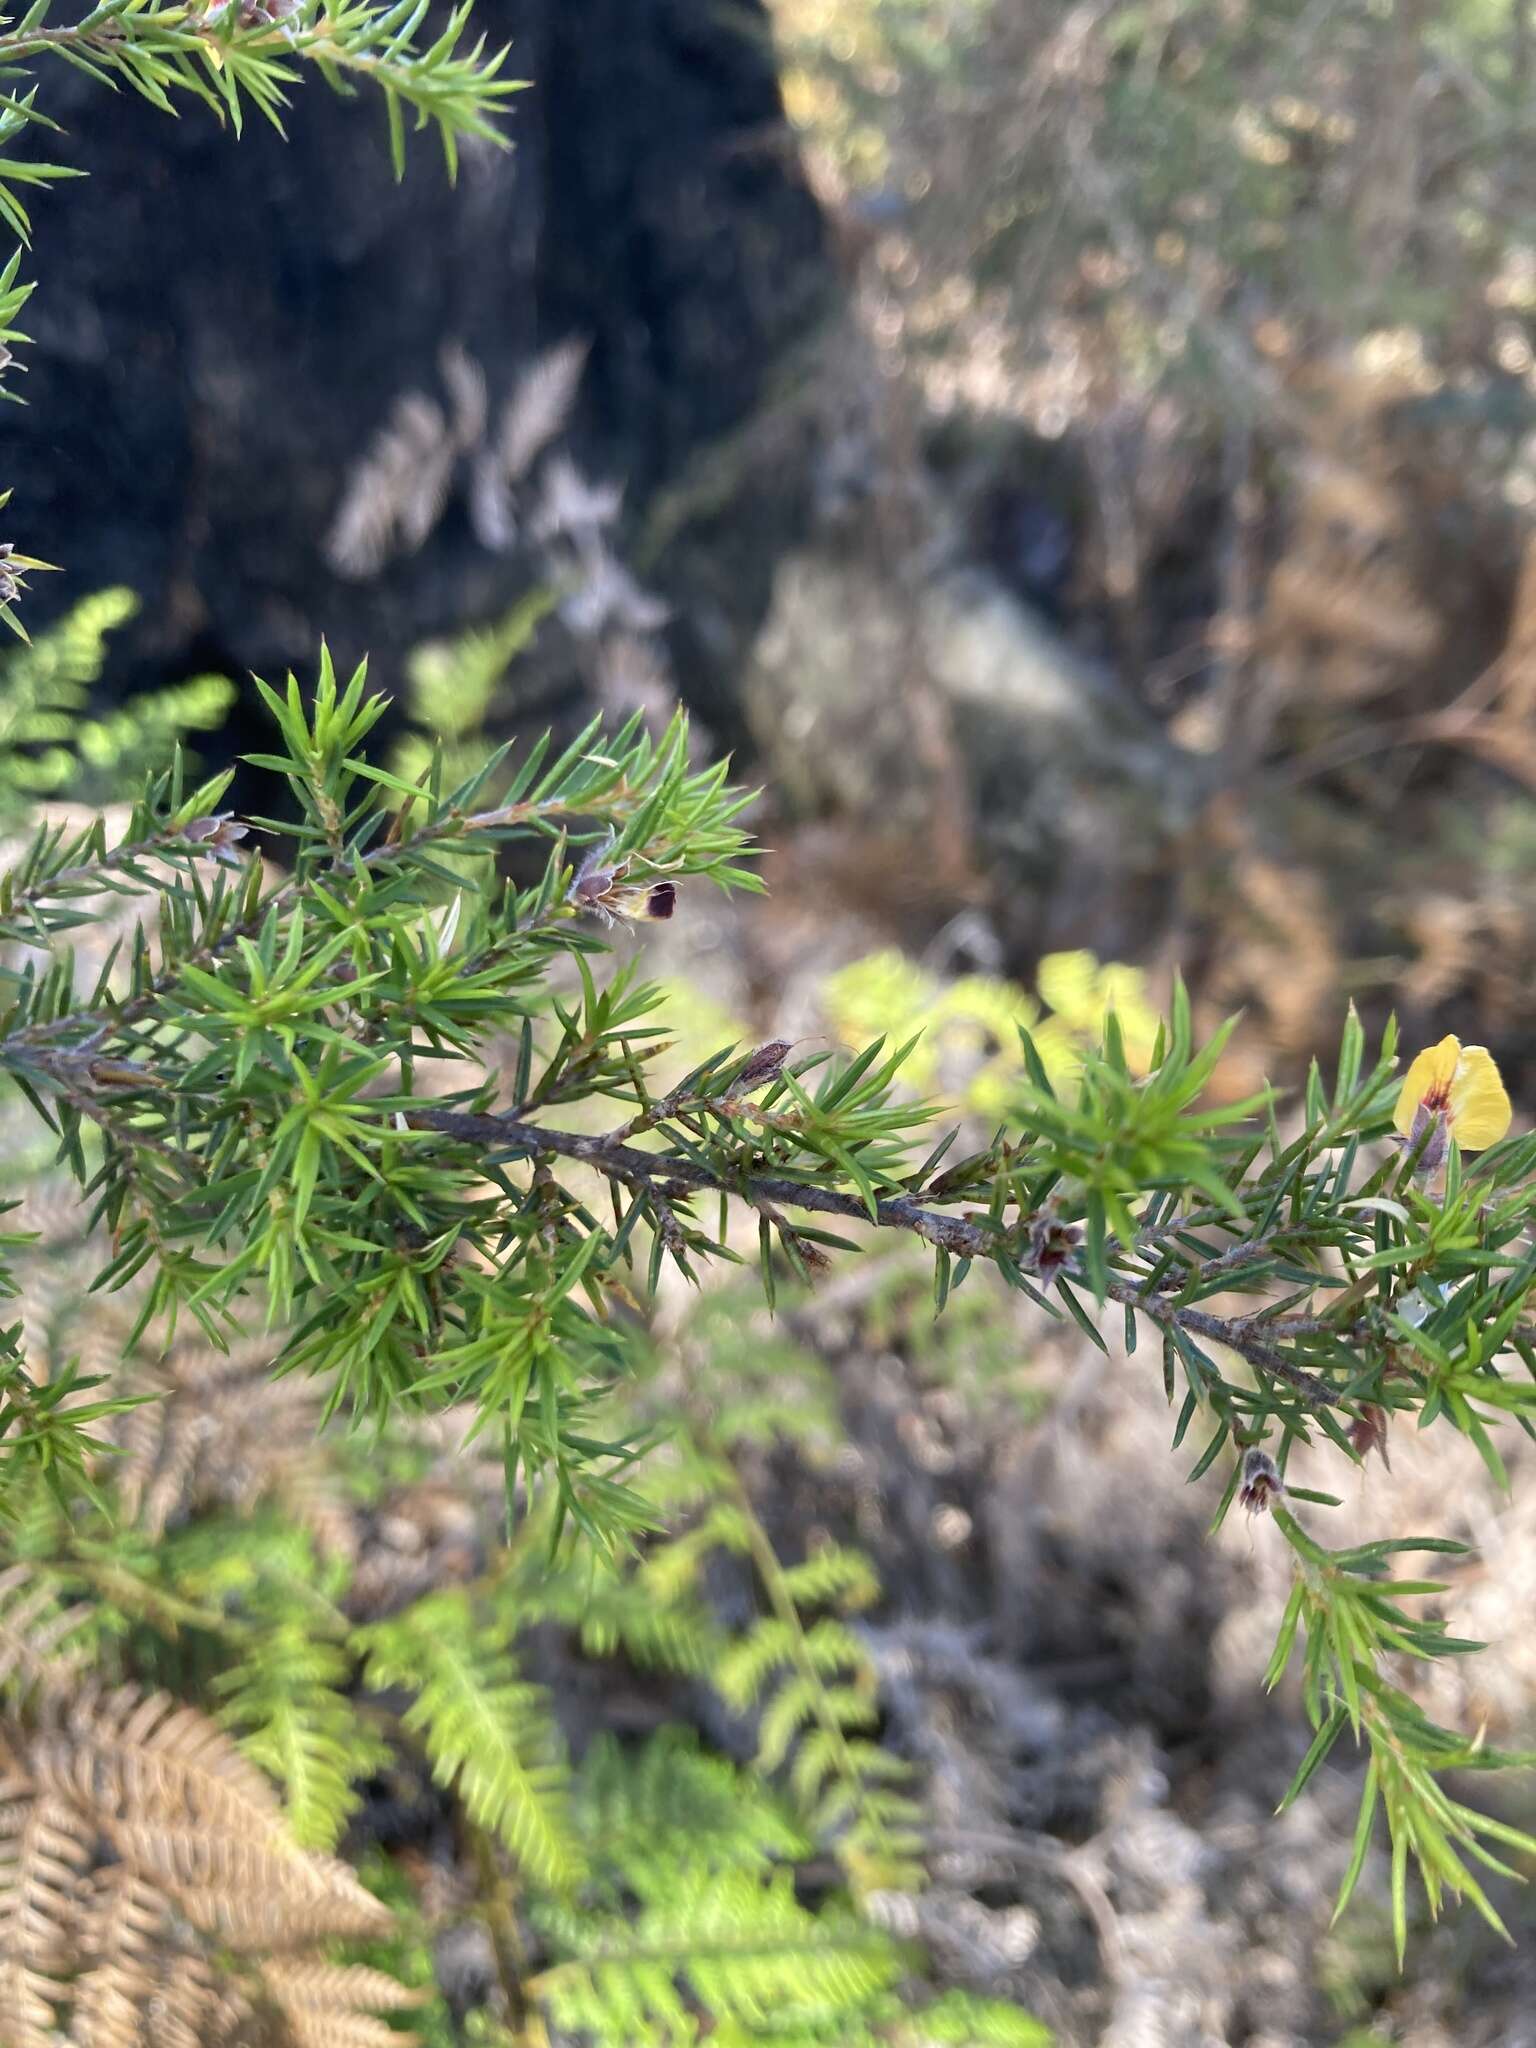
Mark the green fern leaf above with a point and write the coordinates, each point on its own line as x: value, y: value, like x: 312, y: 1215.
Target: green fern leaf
x: 615, y: 1611
x: 752, y: 1660
x: 489, y: 1734
x: 290, y: 1717
x: 833, y: 1577
x: 671, y: 1803
x: 49, y: 742
x: 740, y: 1946
x: 960, y: 2020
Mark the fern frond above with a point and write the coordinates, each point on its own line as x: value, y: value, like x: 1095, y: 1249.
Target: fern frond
x: 255, y: 1560
x: 539, y: 407
x: 671, y: 1803
x: 875, y: 1829
x: 676, y: 1636
x: 48, y: 738
x: 26, y: 2014
x: 737, y: 1944
x: 764, y: 1388
x: 824, y: 1752
x: 108, y: 2003
x: 817, y: 1688
x: 115, y: 1949
x: 833, y: 1648
x: 303, y: 2029
x: 253, y: 1894
x: 959, y: 2019
x: 833, y: 1576
x: 827, y: 1648
x: 616, y: 1611
x: 182, y: 1806
x: 797, y: 1705
x: 291, y: 1717
x: 752, y: 1659
x: 452, y: 683
x: 333, y: 2005
x: 33, y: 1626
x: 142, y: 1756
x: 690, y: 1926
x: 224, y: 1433
x: 121, y: 1918
x: 187, y: 2007
x: 45, y: 686
x: 488, y: 1733
x: 342, y: 1986
x: 45, y: 1848
x: 674, y: 1569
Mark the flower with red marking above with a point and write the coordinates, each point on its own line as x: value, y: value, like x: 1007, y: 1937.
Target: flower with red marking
x: 1261, y: 1483
x: 1052, y: 1243
x: 1452, y: 1091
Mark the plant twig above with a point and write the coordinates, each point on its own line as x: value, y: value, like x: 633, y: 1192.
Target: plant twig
x: 965, y: 1236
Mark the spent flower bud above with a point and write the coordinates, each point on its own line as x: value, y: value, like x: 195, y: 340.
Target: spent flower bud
x: 1051, y: 1243
x: 1261, y: 1484
x: 766, y: 1064
x: 219, y: 835
x: 599, y: 886
x: 1368, y: 1432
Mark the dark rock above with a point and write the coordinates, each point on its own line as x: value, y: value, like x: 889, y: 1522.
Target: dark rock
x: 222, y: 327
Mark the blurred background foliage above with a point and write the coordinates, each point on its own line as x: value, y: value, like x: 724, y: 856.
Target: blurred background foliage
x: 1219, y: 321
x: 1349, y: 173
x: 53, y: 744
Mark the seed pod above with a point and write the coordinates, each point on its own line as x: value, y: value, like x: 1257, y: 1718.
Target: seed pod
x: 766, y: 1064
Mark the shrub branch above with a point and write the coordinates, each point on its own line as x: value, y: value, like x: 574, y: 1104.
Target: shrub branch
x: 670, y: 1177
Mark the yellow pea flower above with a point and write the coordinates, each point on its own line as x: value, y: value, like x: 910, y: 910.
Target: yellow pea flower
x: 1460, y: 1086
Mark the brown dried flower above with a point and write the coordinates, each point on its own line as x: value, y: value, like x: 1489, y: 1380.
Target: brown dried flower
x: 1051, y: 1243
x: 810, y: 1255
x: 596, y: 876
x: 219, y: 836
x: 1262, y: 1485
x: 264, y: 13
x: 599, y: 886
x: 766, y: 1064
x: 1369, y: 1433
